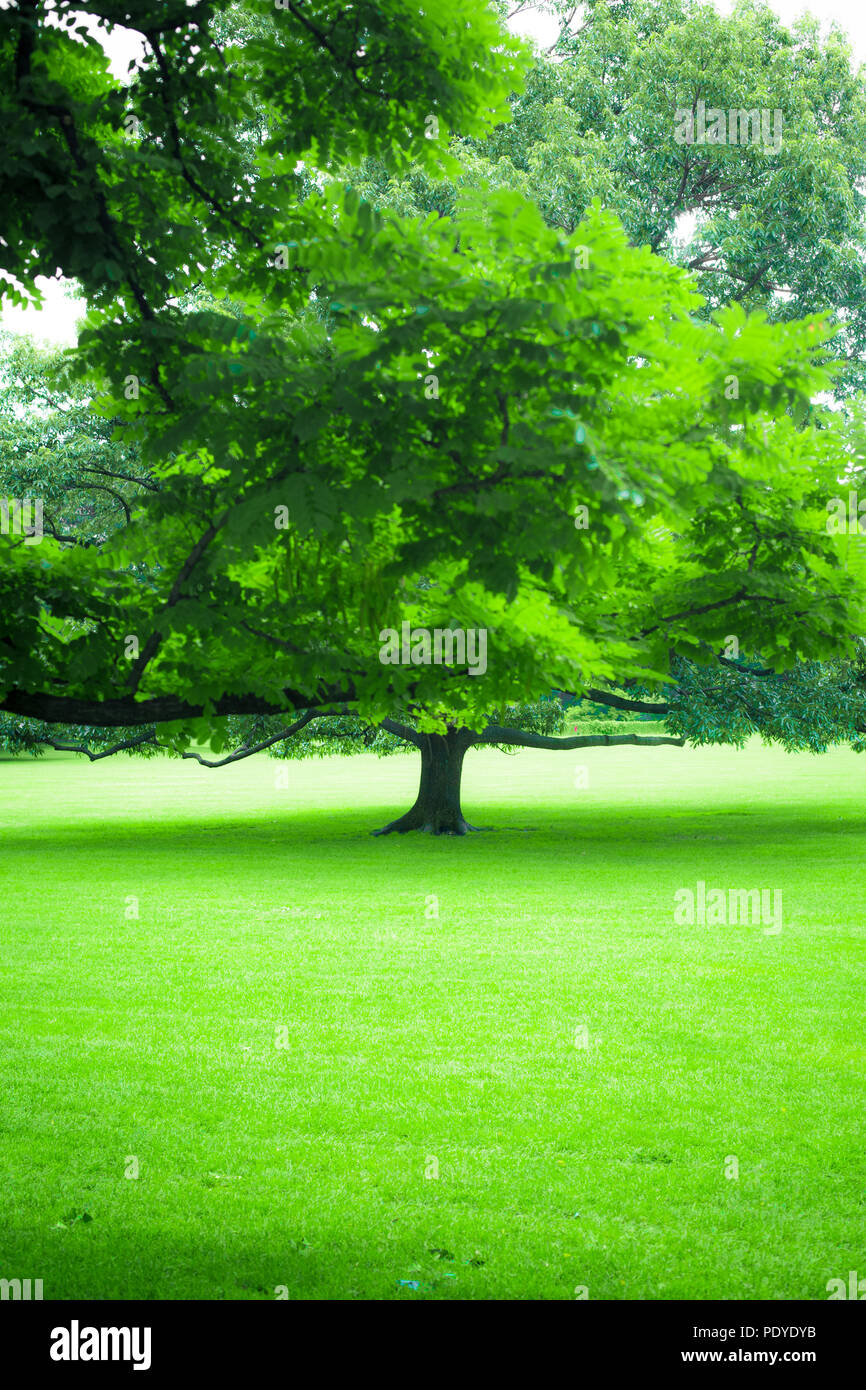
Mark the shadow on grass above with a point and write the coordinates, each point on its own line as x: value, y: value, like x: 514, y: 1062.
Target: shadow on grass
x: 565, y: 830
x: 230, y: 1265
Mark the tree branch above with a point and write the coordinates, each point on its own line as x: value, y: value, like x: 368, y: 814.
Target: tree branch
x: 741, y: 596
x: 247, y: 750
x: 103, y: 487
x: 607, y: 697
x: 519, y: 738
x: 189, y: 178
x: 154, y: 641
x: 108, y: 752
x: 391, y: 726
x: 161, y: 709
x: 752, y: 281
x: 122, y: 477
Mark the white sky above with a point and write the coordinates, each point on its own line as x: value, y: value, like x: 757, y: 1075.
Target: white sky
x: 56, y: 322
x: 850, y: 14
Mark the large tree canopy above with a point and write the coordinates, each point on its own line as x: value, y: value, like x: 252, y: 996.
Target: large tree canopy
x: 479, y: 422
x: 781, y: 230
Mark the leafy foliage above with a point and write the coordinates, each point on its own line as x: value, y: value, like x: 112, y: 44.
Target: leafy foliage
x: 777, y: 230
x: 55, y: 444
x: 347, y: 418
x: 809, y: 708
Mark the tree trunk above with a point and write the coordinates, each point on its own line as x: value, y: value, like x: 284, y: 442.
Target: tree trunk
x: 437, y: 807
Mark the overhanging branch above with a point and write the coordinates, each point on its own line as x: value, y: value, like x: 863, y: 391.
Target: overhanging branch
x: 160, y: 709
x: 148, y: 739
x: 247, y: 750
x: 106, y: 753
x: 607, y: 697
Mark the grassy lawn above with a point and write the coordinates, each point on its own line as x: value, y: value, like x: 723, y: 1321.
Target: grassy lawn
x: 412, y: 1043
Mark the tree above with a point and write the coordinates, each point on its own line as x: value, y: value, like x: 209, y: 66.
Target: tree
x: 770, y: 219
x: 779, y: 230
x: 437, y: 427
x: 55, y: 445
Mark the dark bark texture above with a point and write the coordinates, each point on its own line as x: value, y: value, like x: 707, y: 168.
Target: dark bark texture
x: 437, y: 808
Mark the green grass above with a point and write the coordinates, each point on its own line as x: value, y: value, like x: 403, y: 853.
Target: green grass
x: 412, y: 1038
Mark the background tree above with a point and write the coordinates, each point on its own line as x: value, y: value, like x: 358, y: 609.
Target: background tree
x: 777, y: 230
x: 56, y: 445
